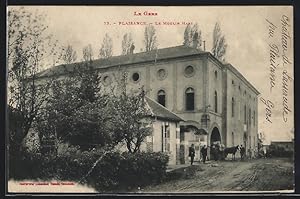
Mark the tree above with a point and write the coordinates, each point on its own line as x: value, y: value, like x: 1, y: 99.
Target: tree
x: 76, y: 114
x: 192, y: 36
x: 29, y: 45
x: 150, y: 39
x: 131, y: 121
x: 87, y: 53
x: 106, y: 47
x: 127, y: 44
x: 219, y: 43
x: 69, y: 55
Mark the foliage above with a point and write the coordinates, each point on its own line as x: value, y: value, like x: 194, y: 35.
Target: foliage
x: 29, y: 45
x: 219, y: 43
x: 87, y: 52
x: 130, y: 121
x: 127, y: 44
x: 25, y: 166
x: 279, y: 151
x: 150, y: 39
x: 114, y: 172
x: 69, y: 55
x: 76, y: 114
x: 106, y: 47
x: 192, y: 36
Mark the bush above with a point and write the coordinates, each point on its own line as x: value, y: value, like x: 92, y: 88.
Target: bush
x: 140, y: 169
x: 277, y: 151
x: 127, y: 170
x: 25, y: 165
x: 114, y: 171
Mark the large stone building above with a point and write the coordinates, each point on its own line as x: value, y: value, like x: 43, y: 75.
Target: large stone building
x: 215, y: 101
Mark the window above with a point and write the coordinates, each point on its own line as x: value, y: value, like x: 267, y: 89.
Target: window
x: 245, y: 114
x: 250, y: 141
x: 161, y: 97
x: 249, y: 117
x: 189, y: 71
x: 162, y: 74
x: 216, y: 101
x: 106, y: 80
x: 189, y: 99
x: 232, y: 82
x: 254, y: 118
x: 232, y: 107
x: 232, y: 136
x: 181, y: 135
x: 135, y: 77
x: 216, y: 74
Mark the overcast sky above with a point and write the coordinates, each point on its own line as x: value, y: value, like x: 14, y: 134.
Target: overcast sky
x: 245, y: 28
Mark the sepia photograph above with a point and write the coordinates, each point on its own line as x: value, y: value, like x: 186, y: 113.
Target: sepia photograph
x: 150, y: 99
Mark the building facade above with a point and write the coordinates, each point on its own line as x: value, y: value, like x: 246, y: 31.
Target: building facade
x: 216, y: 102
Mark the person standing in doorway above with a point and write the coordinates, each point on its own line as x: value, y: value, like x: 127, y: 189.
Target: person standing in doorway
x: 192, y: 153
x: 204, y: 153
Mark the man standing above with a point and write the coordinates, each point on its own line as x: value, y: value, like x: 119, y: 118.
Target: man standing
x: 192, y: 153
x: 242, y: 151
x: 265, y: 151
x: 204, y: 153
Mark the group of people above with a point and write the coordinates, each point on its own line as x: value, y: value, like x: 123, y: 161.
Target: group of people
x: 217, y: 152
x: 192, y: 153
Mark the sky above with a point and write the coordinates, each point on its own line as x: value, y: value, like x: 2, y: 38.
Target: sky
x: 246, y: 29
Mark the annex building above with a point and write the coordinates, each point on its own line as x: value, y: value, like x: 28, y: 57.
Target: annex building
x: 211, y: 101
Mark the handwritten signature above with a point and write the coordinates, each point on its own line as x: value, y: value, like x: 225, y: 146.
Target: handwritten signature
x: 269, y: 105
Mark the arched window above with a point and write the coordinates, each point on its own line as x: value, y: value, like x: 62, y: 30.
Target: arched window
x: 189, y: 99
x: 232, y: 107
x: 161, y: 97
x: 216, y: 101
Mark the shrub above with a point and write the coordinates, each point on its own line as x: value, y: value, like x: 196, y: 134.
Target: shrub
x: 114, y: 171
x: 128, y: 170
x: 25, y: 165
x: 278, y: 151
x: 140, y: 169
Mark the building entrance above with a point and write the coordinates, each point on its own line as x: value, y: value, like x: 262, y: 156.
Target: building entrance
x: 215, y: 139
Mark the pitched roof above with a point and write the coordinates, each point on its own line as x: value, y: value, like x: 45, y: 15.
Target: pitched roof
x: 160, y: 111
x: 159, y: 54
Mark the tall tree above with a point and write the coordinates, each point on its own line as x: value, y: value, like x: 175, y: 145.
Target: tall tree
x: 69, y: 55
x: 87, y: 53
x: 150, y: 39
x: 219, y: 43
x: 29, y: 45
x: 106, y: 47
x: 130, y: 119
x: 73, y: 118
x: 127, y: 44
x: 192, y: 36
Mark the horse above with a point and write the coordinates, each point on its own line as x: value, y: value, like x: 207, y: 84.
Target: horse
x: 231, y: 150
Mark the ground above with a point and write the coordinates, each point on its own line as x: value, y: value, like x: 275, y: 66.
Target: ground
x: 249, y: 175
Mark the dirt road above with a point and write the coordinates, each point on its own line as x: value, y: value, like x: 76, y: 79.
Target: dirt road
x: 250, y: 175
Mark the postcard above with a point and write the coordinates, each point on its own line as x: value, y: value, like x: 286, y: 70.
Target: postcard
x: 150, y: 99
